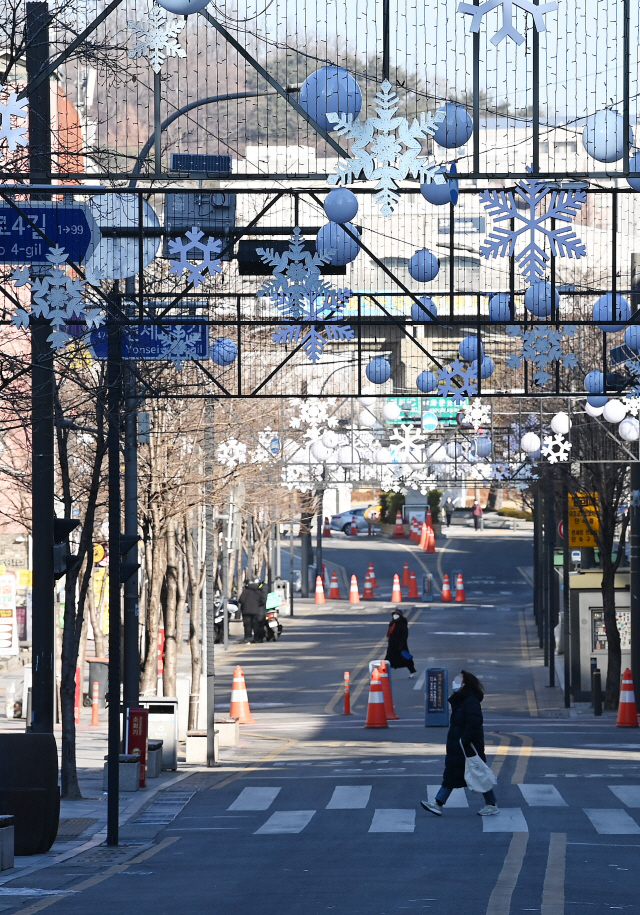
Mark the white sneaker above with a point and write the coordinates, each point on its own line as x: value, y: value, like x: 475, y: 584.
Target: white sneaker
x: 432, y: 808
x: 489, y: 810
x: 414, y: 674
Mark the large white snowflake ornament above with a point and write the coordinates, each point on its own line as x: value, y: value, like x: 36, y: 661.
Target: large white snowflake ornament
x: 395, y: 149
x: 178, y: 344
x: 555, y: 448
x: 508, y: 29
x: 156, y: 38
x: 476, y: 414
x: 18, y: 109
x: 632, y: 405
x: 532, y: 259
x: 309, y: 303
x: 231, y: 453
x: 541, y: 345
x: 456, y: 381
x: 187, y: 252
x: 405, y: 443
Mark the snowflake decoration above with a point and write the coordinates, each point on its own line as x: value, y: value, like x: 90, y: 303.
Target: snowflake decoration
x: 304, y: 298
x: 477, y: 414
x: 302, y: 477
x: 480, y: 471
x: 13, y: 108
x: 555, y: 448
x: 156, y: 38
x: 500, y: 471
x: 178, y: 344
x: 532, y: 259
x: 633, y: 404
x: 541, y: 345
x: 208, y: 249
x: 395, y: 149
x: 508, y: 29
x: 231, y: 453
x: 456, y: 381
x: 313, y: 413
x: 404, y: 443
x: 262, y: 453
x: 56, y: 297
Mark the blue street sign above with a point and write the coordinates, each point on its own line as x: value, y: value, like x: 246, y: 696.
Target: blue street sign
x: 436, y: 694
x: 69, y: 225
x: 160, y: 343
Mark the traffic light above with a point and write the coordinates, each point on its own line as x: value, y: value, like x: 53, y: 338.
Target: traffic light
x: 62, y: 557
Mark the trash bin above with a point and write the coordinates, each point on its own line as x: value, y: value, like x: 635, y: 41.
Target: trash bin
x: 99, y: 673
x: 163, y: 725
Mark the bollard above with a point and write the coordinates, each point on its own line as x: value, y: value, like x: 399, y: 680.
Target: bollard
x: 95, y: 705
x: 594, y: 667
x: 427, y: 586
x: 597, y: 692
x: 347, y: 696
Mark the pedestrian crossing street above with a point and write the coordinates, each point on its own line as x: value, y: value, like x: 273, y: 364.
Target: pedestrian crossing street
x: 611, y: 821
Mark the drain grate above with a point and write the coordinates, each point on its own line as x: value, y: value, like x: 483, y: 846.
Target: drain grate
x: 103, y: 856
x: 73, y: 827
x: 165, y: 809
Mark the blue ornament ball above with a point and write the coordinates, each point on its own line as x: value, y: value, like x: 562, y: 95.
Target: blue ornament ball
x: 487, y: 368
x: 538, y: 299
x: 378, y: 371
x: 456, y: 128
x: 330, y: 90
x: 597, y: 400
x: 634, y: 166
x: 483, y: 447
x: 341, y: 205
x: 500, y: 307
x: 439, y: 194
x: 223, y: 351
x: 632, y: 337
x: 603, y: 136
x: 604, y: 310
x: 333, y: 237
x: 426, y: 382
x: 468, y: 348
x: 418, y: 312
x: 594, y: 382
x: 423, y: 266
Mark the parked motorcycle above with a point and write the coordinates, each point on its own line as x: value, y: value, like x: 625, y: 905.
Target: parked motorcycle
x: 272, y: 625
x: 218, y: 616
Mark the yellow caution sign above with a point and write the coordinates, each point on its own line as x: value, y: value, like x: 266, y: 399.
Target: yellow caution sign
x: 581, y: 533
x: 98, y: 552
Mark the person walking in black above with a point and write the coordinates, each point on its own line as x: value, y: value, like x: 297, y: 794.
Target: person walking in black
x: 398, y: 654
x: 466, y: 726
x: 449, y: 508
x: 253, y: 603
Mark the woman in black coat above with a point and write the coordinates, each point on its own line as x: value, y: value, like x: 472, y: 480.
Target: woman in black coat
x: 398, y: 654
x: 466, y: 726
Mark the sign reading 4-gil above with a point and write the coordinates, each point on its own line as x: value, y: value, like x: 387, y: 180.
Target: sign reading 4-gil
x: 69, y: 225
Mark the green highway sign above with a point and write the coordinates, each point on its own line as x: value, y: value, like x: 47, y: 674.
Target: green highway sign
x: 413, y: 408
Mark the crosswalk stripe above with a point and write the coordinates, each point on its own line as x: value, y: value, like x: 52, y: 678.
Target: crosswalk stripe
x: 350, y: 797
x: 255, y: 799
x: 612, y: 822
x: 458, y: 798
x: 393, y: 820
x: 509, y: 819
x: 285, y: 821
x: 628, y: 794
x: 542, y: 796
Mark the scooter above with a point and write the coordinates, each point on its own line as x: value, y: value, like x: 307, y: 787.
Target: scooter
x: 272, y: 626
x: 218, y: 616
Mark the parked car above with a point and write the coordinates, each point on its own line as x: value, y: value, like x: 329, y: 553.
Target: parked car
x: 342, y: 522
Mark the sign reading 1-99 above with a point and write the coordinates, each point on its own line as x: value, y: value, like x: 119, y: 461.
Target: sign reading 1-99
x: 67, y: 224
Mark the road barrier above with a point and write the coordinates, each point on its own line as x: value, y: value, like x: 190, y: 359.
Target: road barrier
x: 368, y: 589
x: 326, y: 530
x: 459, y: 589
x: 347, y: 693
x: 372, y: 576
x: 95, y: 705
x: 405, y: 575
x: 399, y: 531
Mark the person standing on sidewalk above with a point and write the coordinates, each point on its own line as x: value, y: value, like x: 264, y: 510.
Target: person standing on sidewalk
x: 476, y: 511
x: 253, y: 603
x: 449, y: 508
x: 398, y: 654
x: 466, y: 726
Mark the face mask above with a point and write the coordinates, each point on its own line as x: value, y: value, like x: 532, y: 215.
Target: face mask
x: 457, y: 683
x: 395, y: 616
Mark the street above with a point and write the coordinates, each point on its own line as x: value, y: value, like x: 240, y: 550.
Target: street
x: 314, y: 813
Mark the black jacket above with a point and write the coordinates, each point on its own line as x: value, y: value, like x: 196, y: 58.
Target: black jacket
x: 253, y: 600
x: 466, y: 725
x: 398, y: 634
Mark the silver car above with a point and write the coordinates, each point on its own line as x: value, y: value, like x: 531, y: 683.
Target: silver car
x: 342, y: 522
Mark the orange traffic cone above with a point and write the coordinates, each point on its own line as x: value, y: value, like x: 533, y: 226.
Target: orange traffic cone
x: 430, y: 541
x: 446, y: 590
x: 239, y: 699
x: 405, y: 575
x: 319, y: 591
x: 415, y: 535
x: 389, y: 710
x: 368, y: 590
x: 326, y: 530
x: 354, y: 527
x: 354, y: 594
x: 627, y: 713
x: 372, y: 576
x: 376, y: 717
x: 398, y: 534
x: 413, y: 586
x: 423, y: 536
x: 459, y: 589
x: 334, y: 590
x: 396, y: 594
x: 428, y: 520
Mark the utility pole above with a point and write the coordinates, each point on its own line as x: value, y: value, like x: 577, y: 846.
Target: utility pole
x: 131, y: 653
x: 634, y: 545
x: 210, y: 533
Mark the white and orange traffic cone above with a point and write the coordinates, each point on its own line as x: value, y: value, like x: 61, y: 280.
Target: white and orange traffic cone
x: 413, y: 587
x: 326, y: 530
x: 414, y: 535
x: 354, y: 526
x: 428, y: 520
x: 405, y: 575
x: 389, y: 710
x: 376, y: 716
x: 446, y: 590
x: 423, y: 536
x: 627, y: 712
x: 430, y: 541
x: 334, y: 590
x: 354, y: 594
x: 239, y: 699
x: 459, y: 589
x: 372, y: 576
x: 319, y: 591
x: 398, y: 533
x: 396, y: 594
x: 368, y: 589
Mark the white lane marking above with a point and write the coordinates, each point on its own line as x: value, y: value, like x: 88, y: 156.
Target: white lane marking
x: 457, y: 798
x: 464, y: 633
x: 542, y: 796
x: 419, y: 684
x: 349, y: 797
x: 509, y: 819
x: 255, y: 799
x: 612, y: 822
x: 628, y: 794
x: 285, y: 821
x: 393, y: 820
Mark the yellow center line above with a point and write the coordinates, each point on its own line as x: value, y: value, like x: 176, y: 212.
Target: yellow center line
x: 501, y: 752
x: 523, y: 759
x: 245, y: 771
x: 500, y: 899
x: 553, y: 889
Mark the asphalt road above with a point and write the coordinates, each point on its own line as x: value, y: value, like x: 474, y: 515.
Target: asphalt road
x: 314, y: 813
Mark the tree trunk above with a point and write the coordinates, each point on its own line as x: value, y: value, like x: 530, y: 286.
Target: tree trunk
x: 95, y: 613
x: 149, y: 679
x: 196, y: 582
x: 170, y: 628
x: 181, y: 595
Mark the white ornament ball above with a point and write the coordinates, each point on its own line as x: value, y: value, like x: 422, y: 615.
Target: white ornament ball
x: 382, y: 456
x: 530, y: 442
x: 629, y: 429
x: 391, y: 411
x: 319, y: 452
x: 453, y: 449
x: 348, y: 455
x: 603, y: 136
x: 561, y: 424
x: 593, y: 411
x: 366, y: 401
x: 614, y: 411
x: 330, y: 439
x: 483, y: 447
x: 367, y: 418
